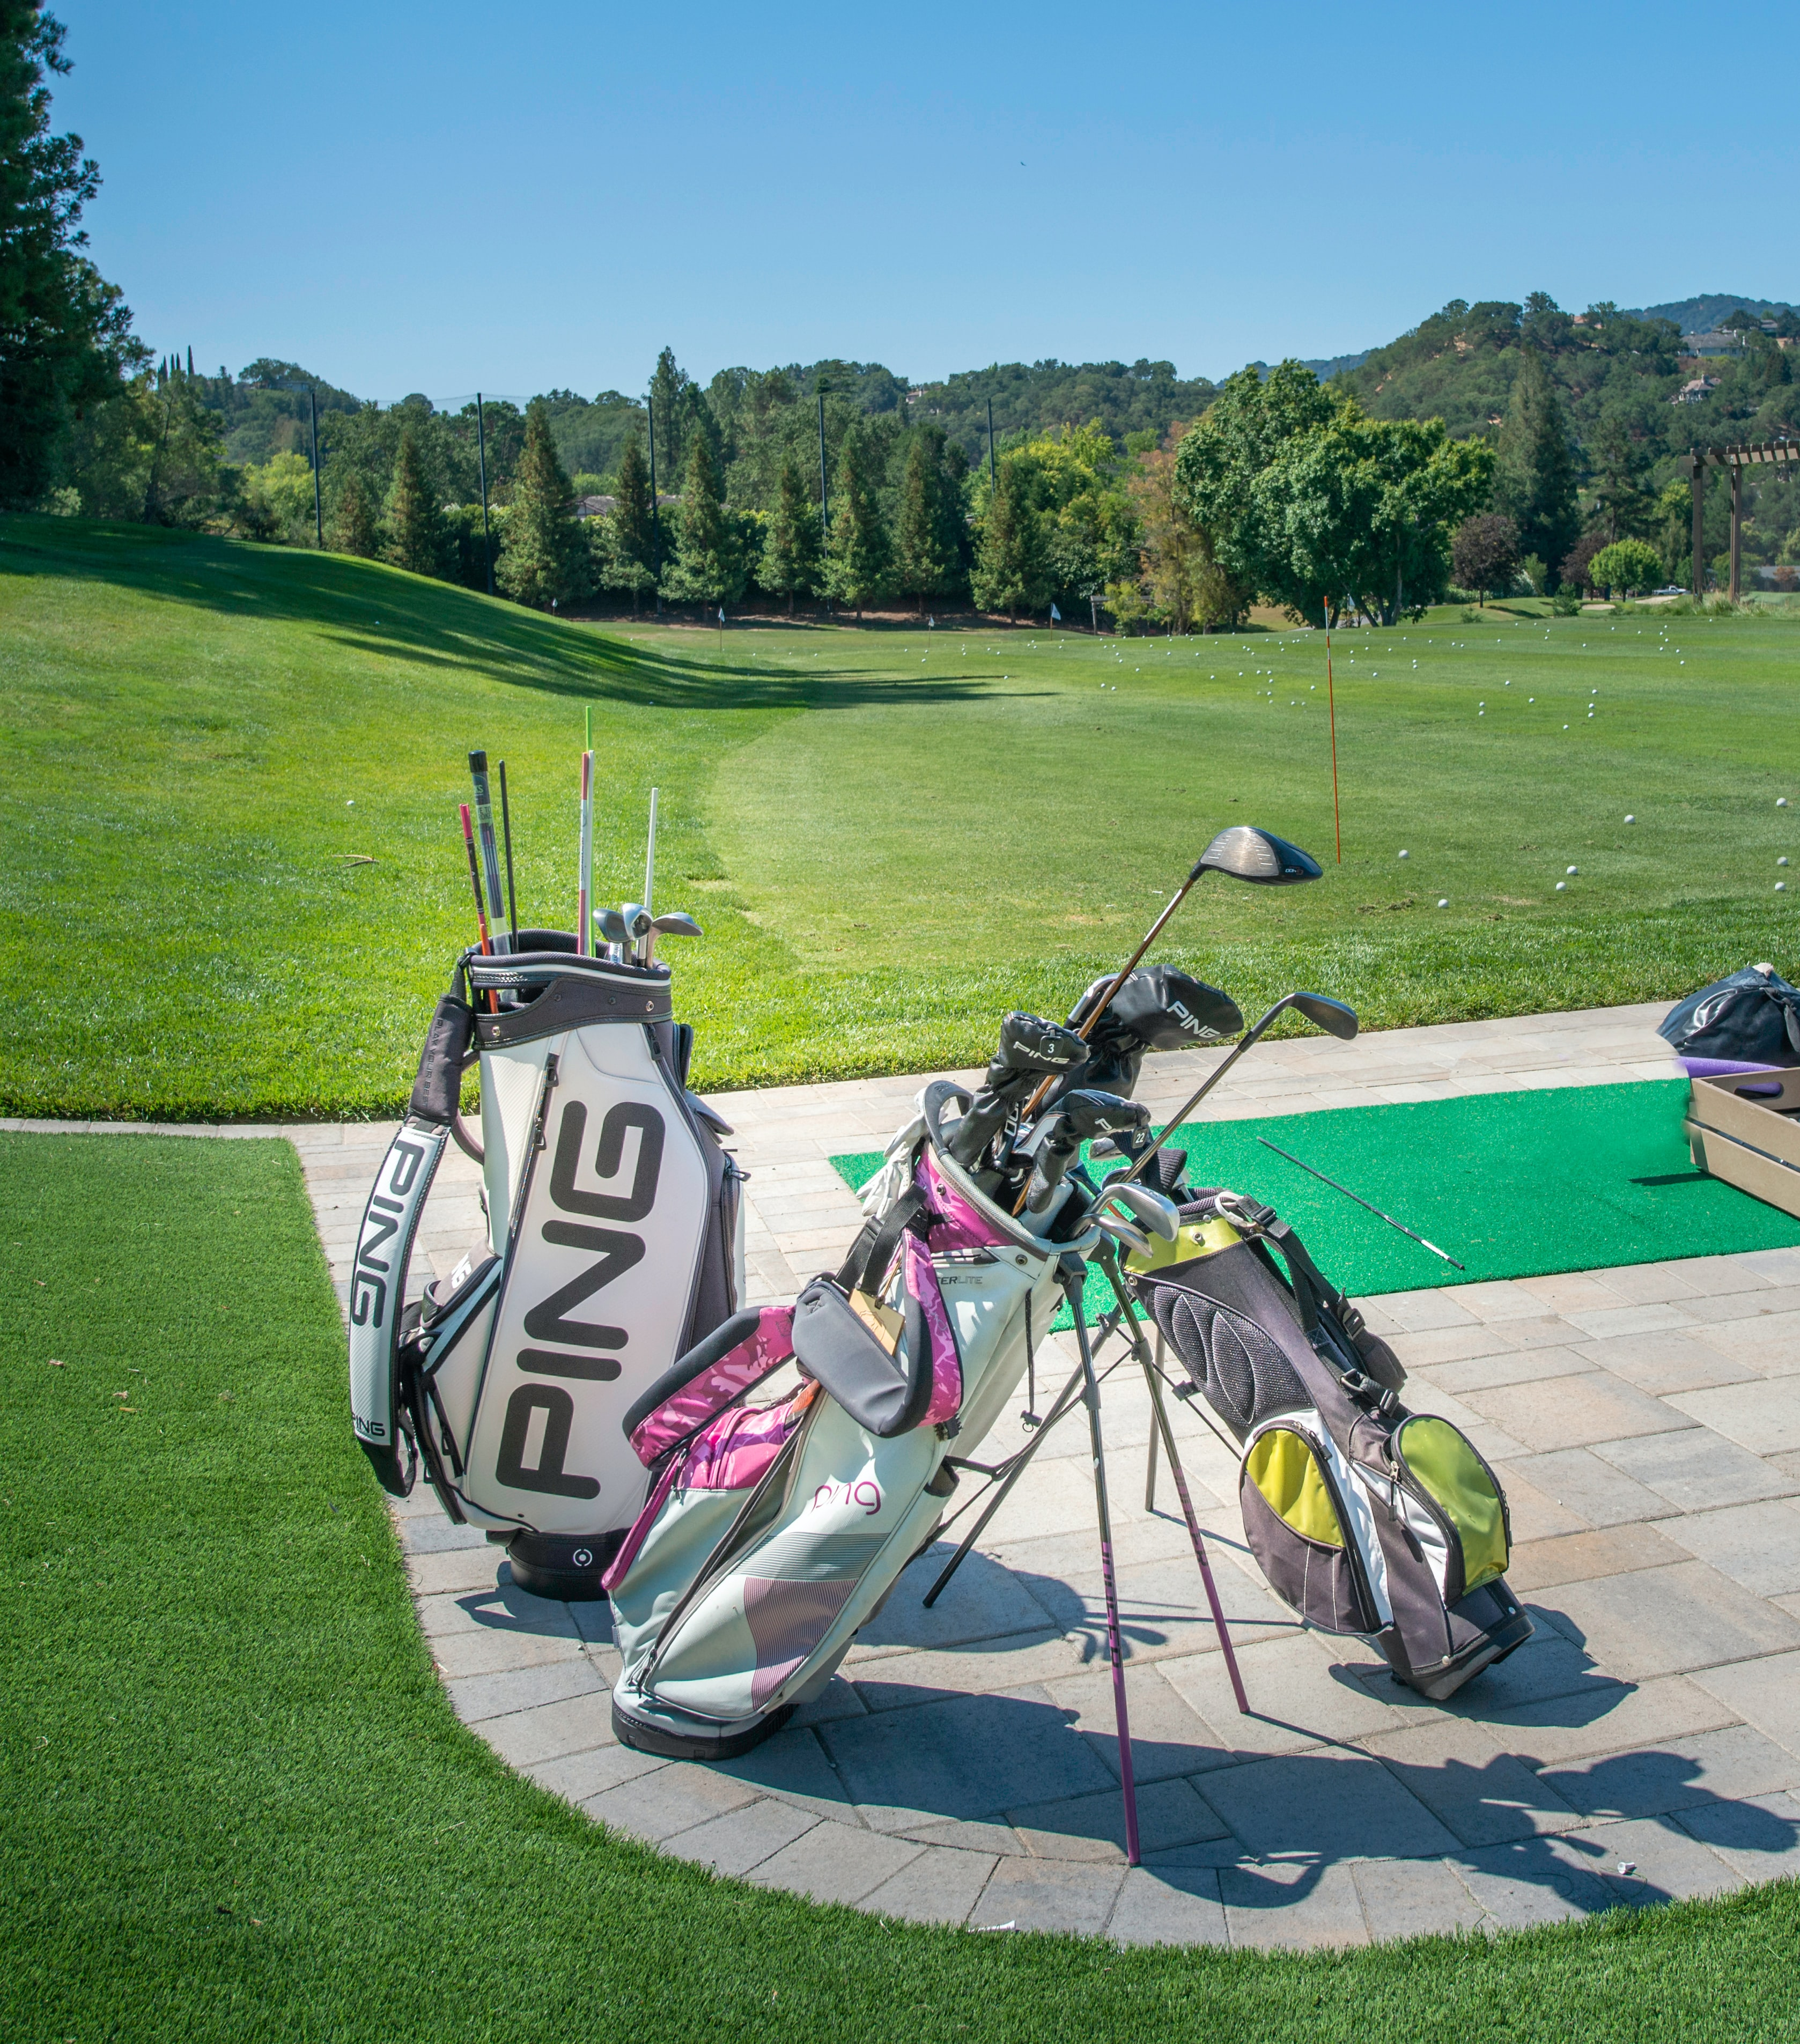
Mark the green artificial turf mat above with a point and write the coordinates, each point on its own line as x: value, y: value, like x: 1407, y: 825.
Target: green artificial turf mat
x: 237, y: 1805
x: 1512, y: 1185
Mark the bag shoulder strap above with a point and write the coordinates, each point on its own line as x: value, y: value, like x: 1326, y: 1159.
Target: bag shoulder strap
x: 877, y: 1239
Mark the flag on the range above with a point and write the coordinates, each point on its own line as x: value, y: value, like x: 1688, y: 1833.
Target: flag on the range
x: 721, y: 613
x: 1056, y: 615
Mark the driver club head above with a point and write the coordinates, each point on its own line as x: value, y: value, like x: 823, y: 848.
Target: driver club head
x: 1246, y: 853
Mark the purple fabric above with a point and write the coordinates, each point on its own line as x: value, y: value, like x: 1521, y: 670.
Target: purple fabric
x: 1720, y: 1068
x: 958, y: 1226
x: 715, y: 1389
x: 736, y: 1450
x: 787, y: 1621
x: 921, y: 1279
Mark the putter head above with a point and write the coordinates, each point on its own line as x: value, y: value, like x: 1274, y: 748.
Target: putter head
x: 1323, y: 1013
x: 1150, y: 1209
x: 675, y: 923
x: 1246, y: 853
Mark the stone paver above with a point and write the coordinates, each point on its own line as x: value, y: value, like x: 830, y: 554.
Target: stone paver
x: 962, y: 1767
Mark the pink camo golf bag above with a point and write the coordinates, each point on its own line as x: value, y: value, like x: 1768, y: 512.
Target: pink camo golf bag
x: 775, y: 1530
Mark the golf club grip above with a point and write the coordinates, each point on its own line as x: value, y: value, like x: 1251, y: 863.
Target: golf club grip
x: 1087, y: 1028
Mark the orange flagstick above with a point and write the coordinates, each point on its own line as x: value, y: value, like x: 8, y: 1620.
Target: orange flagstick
x: 1331, y: 700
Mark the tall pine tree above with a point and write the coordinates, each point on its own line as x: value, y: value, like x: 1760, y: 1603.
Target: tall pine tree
x: 1534, y: 483
x: 859, y: 556
x: 545, y: 559
x: 791, y: 564
x: 926, y: 556
x: 708, y: 568
x: 416, y: 538
x: 353, y: 526
x: 669, y: 415
x: 633, y: 552
x: 1012, y: 567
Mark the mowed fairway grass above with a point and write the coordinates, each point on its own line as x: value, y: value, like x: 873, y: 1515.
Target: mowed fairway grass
x: 236, y: 1804
x: 228, y: 777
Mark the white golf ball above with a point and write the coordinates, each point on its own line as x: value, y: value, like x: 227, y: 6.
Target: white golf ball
x: 1405, y: 854
x: 1631, y: 820
x: 1572, y: 871
x: 1444, y: 902
x: 1560, y: 885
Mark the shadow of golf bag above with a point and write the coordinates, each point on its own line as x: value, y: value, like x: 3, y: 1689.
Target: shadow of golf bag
x: 774, y: 1533
x: 613, y: 1244
x: 1365, y: 1518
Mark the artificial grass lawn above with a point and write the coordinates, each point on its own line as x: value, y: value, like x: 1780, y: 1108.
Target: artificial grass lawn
x: 1512, y: 1185
x: 891, y: 835
x: 237, y: 1805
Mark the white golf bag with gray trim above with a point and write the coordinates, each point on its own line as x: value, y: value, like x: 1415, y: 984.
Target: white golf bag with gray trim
x: 613, y: 1244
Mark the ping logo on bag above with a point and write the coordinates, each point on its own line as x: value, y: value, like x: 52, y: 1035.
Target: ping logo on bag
x: 532, y: 1456
x: 387, y: 1210
x: 865, y: 1493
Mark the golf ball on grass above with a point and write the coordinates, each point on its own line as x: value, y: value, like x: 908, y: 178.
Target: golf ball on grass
x: 1631, y: 820
x: 1561, y: 885
x: 1573, y: 871
x: 1405, y: 854
x: 1444, y: 902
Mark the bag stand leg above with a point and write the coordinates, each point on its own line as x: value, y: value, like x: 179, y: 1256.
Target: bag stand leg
x: 1065, y: 1403
x: 1090, y: 1398
x: 1161, y: 1430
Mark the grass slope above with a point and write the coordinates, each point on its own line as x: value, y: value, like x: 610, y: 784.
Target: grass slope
x: 237, y: 1805
x: 890, y: 835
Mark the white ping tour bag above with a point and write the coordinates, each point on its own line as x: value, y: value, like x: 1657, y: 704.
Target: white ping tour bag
x: 774, y: 1532
x: 613, y: 1244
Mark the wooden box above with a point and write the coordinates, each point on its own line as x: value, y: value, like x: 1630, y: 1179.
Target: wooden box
x: 1745, y: 1128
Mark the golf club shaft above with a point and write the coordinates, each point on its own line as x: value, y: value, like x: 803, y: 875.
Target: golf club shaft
x: 647, y: 949
x: 475, y: 882
x: 584, y: 876
x: 1360, y: 1201
x: 506, y: 833
x: 1085, y: 1029
x: 1187, y: 1106
x: 490, y: 846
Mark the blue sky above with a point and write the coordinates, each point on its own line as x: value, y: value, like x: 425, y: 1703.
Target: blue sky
x: 411, y: 197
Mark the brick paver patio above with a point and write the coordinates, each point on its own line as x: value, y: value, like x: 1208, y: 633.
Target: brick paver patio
x: 963, y: 1766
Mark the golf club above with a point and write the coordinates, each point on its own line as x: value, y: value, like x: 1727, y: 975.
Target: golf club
x: 506, y: 834
x: 1241, y: 849
x: 1332, y: 1017
x: 584, y: 866
x: 611, y: 926
x: 1079, y: 1116
x: 1357, y: 1196
x: 475, y: 882
x: 1028, y: 1047
x: 650, y: 858
x: 490, y: 846
x: 672, y: 923
x: 637, y: 919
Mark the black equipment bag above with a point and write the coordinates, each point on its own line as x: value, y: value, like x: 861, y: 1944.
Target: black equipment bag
x: 1751, y: 1018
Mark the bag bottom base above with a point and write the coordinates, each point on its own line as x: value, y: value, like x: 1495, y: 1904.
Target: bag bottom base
x: 566, y: 1571
x: 1437, y: 1684
x: 673, y: 1735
